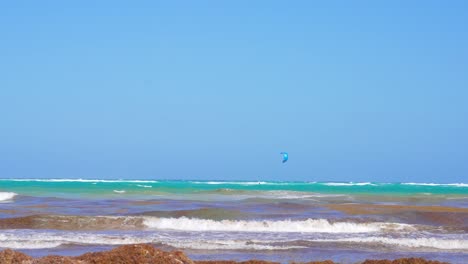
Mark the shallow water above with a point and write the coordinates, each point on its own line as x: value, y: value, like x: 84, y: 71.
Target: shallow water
x: 281, y: 221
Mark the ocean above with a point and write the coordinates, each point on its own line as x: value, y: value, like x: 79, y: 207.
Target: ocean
x: 238, y: 220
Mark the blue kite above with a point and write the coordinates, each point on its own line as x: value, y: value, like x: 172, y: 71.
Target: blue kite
x: 285, y: 156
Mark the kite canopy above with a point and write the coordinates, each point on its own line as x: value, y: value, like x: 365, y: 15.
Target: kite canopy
x: 285, y: 156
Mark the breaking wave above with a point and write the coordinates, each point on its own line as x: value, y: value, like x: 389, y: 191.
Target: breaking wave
x: 183, y: 223
x: 231, y: 183
x: 304, y: 226
x: 5, y: 196
x: 437, y: 184
x: 79, y: 180
x: 37, y: 240
x: 23, y: 239
x: 348, y: 183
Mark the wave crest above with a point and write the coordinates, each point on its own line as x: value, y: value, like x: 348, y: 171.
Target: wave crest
x: 304, y: 226
x: 437, y: 184
x: 348, y: 183
x: 5, y: 196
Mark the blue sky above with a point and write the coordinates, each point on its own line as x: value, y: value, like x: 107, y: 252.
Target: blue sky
x: 353, y: 90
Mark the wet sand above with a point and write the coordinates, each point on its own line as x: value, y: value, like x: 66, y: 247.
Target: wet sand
x: 144, y: 253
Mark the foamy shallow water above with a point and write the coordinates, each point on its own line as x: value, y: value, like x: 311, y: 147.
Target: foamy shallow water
x: 217, y: 245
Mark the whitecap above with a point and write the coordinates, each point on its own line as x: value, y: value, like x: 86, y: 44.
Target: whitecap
x: 304, y: 226
x: 80, y: 180
x: 144, y: 186
x: 348, y: 183
x: 437, y: 184
x: 6, y: 196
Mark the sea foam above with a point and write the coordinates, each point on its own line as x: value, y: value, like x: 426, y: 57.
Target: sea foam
x: 45, y: 239
x: 423, y: 242
x: 304, y: 226
x: 437, y: 184
x: 5, y: 196
x: 80, y: 180
x: 348, y: 183
x: 36, y: 240
x: 226, y: 245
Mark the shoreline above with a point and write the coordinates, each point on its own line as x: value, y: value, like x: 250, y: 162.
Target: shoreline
x: 146, y: 253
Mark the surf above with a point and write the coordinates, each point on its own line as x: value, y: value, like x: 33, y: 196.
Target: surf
x: 279, y: 226
x: 7, y: 196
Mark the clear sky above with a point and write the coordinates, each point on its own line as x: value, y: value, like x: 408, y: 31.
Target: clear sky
x: 353, y: 90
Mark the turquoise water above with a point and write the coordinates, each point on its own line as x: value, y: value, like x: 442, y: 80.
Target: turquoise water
x: 64, y: 187
x: 279, y: 221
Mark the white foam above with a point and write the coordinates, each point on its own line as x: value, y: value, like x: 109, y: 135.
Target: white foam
x: 437, y: 184
x: 144, y: 186
x: 422, y: 184
x: 239, y: 183
x: 80, y: 180
x: 119, y: 191
x: 51, y: 240
x: 429, y: 242
x: 304, y: 226
x: 347, y: 183
x: 249, y: 183
x: 5, y: 196
x: 458, y: 184
x: 226, y: 245
x: 36, y: 240
x: 26, y: 244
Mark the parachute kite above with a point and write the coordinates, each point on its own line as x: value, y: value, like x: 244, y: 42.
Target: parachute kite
x: 285, y: 156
